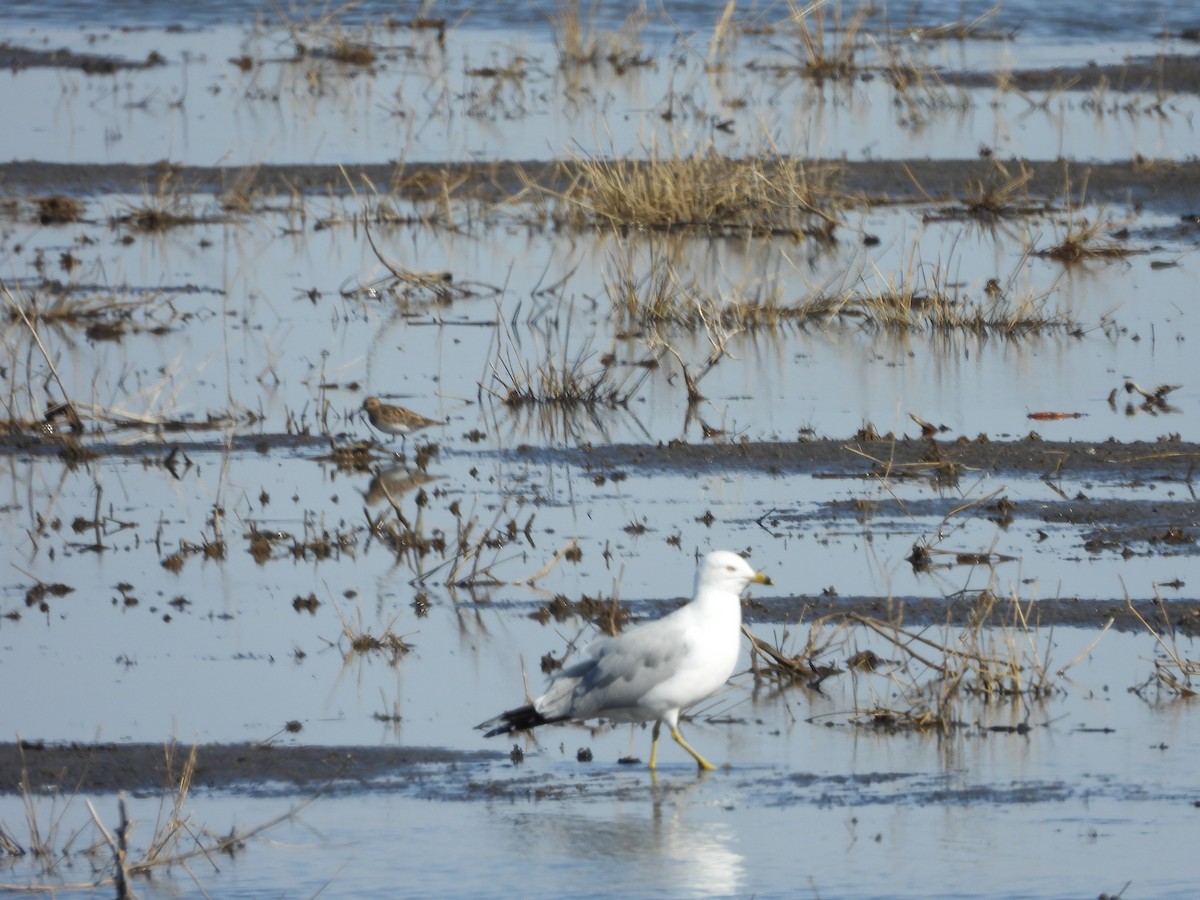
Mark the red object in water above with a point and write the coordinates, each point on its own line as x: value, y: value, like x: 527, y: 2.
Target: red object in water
x: 1050, y: 416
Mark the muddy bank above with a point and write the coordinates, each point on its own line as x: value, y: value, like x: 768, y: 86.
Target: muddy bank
x: 907, y: 457
x: 958, y: 611
x: 16, y: 58
x: 108, y: 767
x: 1170, y: 187
x: 173, y: 438
x: 1162, y: 461
x: 1163, y: 75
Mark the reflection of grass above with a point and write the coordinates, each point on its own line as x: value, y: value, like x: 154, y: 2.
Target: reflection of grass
x: 925, y: 298
x: 922, y: 298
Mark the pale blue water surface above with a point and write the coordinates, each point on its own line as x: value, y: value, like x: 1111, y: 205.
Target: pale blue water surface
x: 283, y: 324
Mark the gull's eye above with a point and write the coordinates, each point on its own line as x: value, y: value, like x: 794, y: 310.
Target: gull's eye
x: 729, y: 568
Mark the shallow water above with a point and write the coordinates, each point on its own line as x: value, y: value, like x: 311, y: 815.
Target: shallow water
x: 279, y: 319
x: 819, y: 806
x: 419, y: 101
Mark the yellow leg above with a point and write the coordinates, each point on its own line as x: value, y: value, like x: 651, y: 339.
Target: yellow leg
x: 654, y: 744
x: 700, y: 760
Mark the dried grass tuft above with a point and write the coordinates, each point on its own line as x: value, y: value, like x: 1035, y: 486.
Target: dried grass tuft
x: 705, y: 192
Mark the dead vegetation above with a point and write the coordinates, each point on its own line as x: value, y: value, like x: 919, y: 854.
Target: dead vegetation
x: 578, y: 381
x: 101, y: 315
x: 605, y: 613
x: 648, y: 293
x: 361, y: 642
x: 1002, y: 193
x: 38, y: 320
x: 580, y: 44
x: 813, y: 40
x: 1173, y: 671
x: 923, y: 675
x: 56, y: 838
x: 825, y: 45
x: 58, y: 210
x: 402, y: 283
x: 460, y: 553
x: 1081, y: 238
x: 325, y: 36
x: 907, y: 679
x: 979, y: 28
x: 704, y: 192
x: 166, y: 204
x: 991, y: 651
x: 565, y: 377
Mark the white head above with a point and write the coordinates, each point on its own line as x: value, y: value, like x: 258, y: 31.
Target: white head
x: 725, y: 571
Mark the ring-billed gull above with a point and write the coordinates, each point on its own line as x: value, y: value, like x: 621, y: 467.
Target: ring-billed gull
x: 655, y: 670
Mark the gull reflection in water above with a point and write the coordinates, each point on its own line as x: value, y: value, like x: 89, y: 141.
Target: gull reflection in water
x: 665, y: 846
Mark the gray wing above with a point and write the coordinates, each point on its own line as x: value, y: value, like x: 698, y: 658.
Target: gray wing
x: 616, y: 673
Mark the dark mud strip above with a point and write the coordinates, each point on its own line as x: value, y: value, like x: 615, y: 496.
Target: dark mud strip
x: 1136, y: 461
x: 1166, y: 525
x: 1159, y: 461
x: 447, y: 776
x: 255, y: 770
x: 1179, y: 615
x: 16, y: 58
x: 1170, y: 187
x: 174, y: 439
x: 1168, y: 74
x: 140, y: 768
x: 1165, y: 73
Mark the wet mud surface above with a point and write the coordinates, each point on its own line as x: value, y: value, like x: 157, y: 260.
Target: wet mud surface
x: 137, y: 767
x: 259, y: 771
x: 1171, y: 71
x: 17, y: 58
x: 1164, y: 461
x: 1183, y: 616
x: 1159, y: 460
x: 1169, y: 187
x: 1163, y: 521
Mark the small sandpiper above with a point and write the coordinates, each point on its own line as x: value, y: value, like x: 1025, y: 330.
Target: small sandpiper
x: 395, y: 419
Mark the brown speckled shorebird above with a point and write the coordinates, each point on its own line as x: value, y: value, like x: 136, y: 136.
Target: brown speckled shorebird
x: 395, y: 420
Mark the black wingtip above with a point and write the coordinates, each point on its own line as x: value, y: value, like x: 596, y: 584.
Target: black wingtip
x: 520, y: 719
